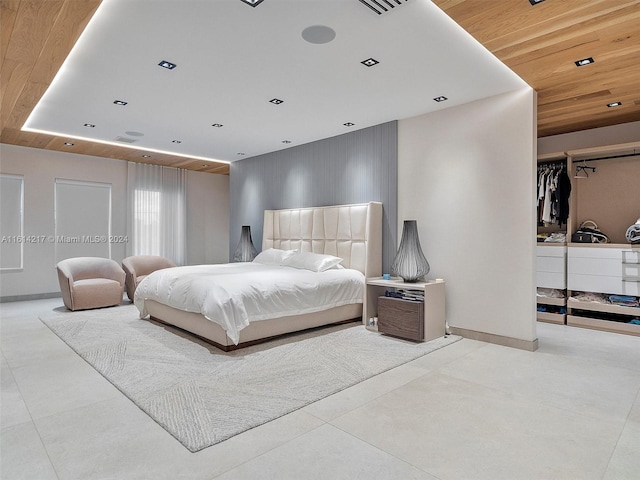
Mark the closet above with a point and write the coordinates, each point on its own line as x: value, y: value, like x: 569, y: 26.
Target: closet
x: 601, y: 280
x: 551, y: 250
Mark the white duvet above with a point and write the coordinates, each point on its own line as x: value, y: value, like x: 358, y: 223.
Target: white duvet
x: 234, y: 294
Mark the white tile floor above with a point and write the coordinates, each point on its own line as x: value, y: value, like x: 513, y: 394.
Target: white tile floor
x: 472, y: 410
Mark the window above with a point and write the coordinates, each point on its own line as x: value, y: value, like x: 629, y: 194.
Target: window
x: 12, y: 225
x: 82, y: 219
x: 157, y: 211
x: 146, y: 225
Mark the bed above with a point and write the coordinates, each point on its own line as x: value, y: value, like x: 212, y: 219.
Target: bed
x: 351, y: 232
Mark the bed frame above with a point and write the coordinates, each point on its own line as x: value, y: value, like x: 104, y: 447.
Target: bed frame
x: 352, y: 232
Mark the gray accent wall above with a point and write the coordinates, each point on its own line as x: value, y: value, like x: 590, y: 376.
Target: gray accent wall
x: 356, y: 167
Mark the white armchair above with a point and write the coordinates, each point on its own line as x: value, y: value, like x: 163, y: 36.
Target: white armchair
x: 90, y: 282
x: 139, y: 266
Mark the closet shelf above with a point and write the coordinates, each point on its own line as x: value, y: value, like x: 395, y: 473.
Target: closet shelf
x: 634, y: 247
x: 547, y: 317
x: 603, y: 307
x: 559, y: 301
x: 604, y: 325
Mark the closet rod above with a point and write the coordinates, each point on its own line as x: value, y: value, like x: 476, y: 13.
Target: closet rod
x: 634, y: 154
x: 555, y: 160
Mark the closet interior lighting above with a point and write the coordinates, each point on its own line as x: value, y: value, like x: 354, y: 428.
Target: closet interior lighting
x: 584, y: 61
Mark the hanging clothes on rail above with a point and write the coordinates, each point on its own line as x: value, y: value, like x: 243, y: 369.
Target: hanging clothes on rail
x: 549, y: 190
x: 562, y: 194
x: 542, y: 179
x: 554, y: 188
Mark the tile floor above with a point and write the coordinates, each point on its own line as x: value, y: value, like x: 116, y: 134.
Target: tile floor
x: 472, y: 410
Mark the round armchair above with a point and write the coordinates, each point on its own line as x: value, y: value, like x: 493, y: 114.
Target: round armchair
x: 139, y: 266
x: 90, y: 282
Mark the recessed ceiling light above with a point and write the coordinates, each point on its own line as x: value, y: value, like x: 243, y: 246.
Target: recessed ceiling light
x: 348, y: 124
x: 146, y: 156
x: 253, y: 3
x: 134, y: 133
x: 69, y: 144
x: 167, y: 65
x: 286, y: 141
x: 276, y: 101
x: 176, y: 141
x: 584, y: 61
x: 441, y: 98
x: 370, y: 62
x: 90, y: 125
x: 120, y: 102
x: 614, y: 104
x: 217, y: 125
x: 535, y: 2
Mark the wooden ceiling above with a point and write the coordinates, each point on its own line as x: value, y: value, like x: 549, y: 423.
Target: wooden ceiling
x: 37, y: 35
x: 539, y: 42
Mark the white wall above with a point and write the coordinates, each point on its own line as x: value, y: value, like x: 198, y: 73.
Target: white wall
x: 466, y: 174
x: 207, y: 222
x: 595, y: 137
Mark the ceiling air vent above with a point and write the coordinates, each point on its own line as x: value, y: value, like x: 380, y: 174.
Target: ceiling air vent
x: 383, y: 6
x: 126, y: 139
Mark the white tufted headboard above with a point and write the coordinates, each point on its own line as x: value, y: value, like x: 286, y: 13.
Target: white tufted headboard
x: 351, y: 232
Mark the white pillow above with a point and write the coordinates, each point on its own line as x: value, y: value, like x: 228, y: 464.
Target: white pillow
x: 316, y: 262
x: 273, y: 256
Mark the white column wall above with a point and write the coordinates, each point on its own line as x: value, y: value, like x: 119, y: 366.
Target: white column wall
x: 207, y: 222
x: 467, y: 175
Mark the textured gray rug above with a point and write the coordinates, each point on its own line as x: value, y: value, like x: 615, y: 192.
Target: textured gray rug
x: 202, y: 395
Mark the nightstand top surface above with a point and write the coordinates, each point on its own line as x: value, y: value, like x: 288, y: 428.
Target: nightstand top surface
x: 398, y: 283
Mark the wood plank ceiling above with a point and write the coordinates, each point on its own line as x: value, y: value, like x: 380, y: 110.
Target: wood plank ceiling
x: 539, y: 42
x: 37, y: 35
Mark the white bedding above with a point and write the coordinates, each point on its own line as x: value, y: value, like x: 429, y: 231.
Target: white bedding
x: 234, y: 294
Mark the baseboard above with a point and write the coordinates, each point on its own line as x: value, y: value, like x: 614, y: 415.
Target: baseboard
x: 530, y: 346
x: 33, y: 296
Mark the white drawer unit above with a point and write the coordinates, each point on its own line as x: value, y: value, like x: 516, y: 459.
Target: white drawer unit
x: 551, y: 266
x: 551, y: 280
x: 608, y: 267
x: 604, y: 269
x: 551, y: 250
x: 631, y: 272
x: 603, y: 284
x: 631, y: 256
x: 603, y: 252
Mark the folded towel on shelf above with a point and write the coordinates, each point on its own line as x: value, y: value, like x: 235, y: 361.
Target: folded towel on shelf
x: 624, y: 300
x: 549, y: 292
x: 590, y: 297
x: 556, y: 238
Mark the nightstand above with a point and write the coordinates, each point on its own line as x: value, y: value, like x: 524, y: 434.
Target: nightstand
x: 422, y: 321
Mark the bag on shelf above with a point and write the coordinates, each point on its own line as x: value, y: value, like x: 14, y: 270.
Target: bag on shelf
x: 588, y: 232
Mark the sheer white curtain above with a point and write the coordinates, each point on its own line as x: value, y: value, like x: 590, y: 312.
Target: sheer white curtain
x: 157, y: 222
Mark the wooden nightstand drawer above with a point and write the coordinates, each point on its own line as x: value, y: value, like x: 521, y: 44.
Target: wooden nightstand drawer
x: 401, y: 318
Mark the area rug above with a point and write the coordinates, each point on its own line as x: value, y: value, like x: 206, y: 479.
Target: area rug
x: 202, y: 395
